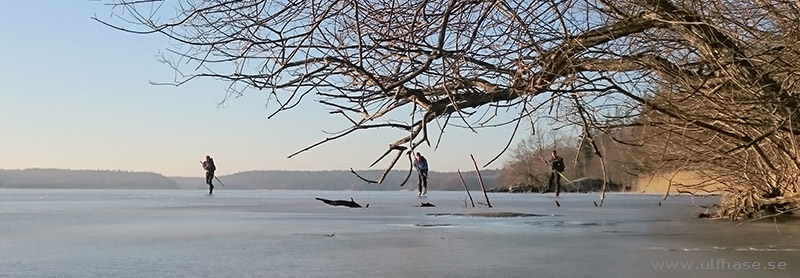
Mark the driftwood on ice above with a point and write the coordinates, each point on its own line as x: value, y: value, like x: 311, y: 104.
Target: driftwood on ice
x: 346, y: 203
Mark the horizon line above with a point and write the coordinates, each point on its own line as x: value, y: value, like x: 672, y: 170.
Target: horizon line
x: 238, y: 172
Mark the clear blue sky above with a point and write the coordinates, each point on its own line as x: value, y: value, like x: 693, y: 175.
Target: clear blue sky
x: 75, y: 94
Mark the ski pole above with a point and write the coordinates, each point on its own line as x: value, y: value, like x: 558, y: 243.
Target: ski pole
x: 570, y: 182
x: 542, y: 159
x: 220, y: 182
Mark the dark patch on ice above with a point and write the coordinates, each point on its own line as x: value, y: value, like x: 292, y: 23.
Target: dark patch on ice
x: 434, y: 225
x: 492, y: 214
x: 618, y: 232
x: 573, y: 224
x: 322, y: 235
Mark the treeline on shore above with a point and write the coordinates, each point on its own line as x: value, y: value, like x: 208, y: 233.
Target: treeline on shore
x: 267, y: 179
x: 84, y: 179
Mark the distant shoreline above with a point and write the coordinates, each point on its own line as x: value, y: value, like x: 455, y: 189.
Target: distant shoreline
x: 263, y: 179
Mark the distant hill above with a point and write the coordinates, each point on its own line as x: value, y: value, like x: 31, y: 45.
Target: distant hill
x: 95, y: 179
x: 267, y: 179
x: 341, y: 180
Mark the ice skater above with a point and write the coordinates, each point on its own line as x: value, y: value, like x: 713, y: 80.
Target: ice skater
x: 209, y: 166
x: 556, y: 167
x: 422, y: 170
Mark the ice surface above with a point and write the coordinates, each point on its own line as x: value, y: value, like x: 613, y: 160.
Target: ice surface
x: 242, y: 233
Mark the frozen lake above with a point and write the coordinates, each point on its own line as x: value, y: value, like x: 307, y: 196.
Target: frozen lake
x: 239, y: 233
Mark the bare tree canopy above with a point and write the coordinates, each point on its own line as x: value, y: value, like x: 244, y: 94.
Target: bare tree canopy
x: 711, y: 85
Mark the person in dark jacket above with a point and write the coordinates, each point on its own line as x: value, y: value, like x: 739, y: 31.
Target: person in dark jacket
x: 557, y: 166
x: 209, y: 166
x: 422, y: 170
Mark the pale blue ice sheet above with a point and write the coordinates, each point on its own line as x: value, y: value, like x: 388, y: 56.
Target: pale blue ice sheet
x: 239, y: 233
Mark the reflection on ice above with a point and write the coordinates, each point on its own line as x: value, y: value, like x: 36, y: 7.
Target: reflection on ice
x: 491, y: 214
x: 573, y: 224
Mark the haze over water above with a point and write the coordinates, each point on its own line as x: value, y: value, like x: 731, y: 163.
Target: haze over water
x: 247, y: 233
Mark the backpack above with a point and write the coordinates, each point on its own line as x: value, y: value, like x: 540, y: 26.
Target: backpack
x: 209, y: 165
